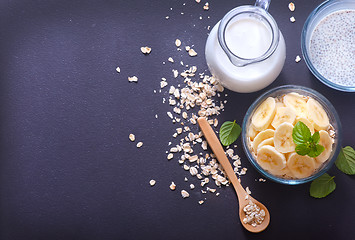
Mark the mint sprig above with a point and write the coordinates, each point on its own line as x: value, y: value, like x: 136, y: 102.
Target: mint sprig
x: 229, y: 132
x: 306, y: 143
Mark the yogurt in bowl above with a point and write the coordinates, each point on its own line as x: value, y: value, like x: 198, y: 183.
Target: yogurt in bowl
x: 328, y: 44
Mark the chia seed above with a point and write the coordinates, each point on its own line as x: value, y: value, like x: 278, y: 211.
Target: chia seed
x: 332, y: 47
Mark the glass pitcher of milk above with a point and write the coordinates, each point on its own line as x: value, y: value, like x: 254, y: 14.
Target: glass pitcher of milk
x: 246, y: 51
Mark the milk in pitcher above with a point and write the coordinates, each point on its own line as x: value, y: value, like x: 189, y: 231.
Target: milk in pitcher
x: 248, y: 53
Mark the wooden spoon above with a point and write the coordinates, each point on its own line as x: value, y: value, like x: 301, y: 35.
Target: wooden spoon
x: 223, y: 160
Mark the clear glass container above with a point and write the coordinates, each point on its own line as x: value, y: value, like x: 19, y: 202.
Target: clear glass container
x: 333, y: 119
x: 317, y: 15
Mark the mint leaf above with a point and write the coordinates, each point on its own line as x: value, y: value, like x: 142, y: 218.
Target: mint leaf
x: 301, y: 133
x: 316, y: 150
x: 315, y: 137
x: 346, y: 160
x: 322, y: 186
x: 229, y: 132
x: 302, y: 149
x: 306, y: 143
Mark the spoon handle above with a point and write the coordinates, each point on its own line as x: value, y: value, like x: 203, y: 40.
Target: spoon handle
x: 217, y: 148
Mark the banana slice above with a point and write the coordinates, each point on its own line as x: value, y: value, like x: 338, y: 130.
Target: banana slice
x: 280, y: 104
x: 283, y: 138
x: 270, y: 159
x: 308, y: 123
x: 264, y: 114
x: 327, y: 142
x: 269, y: 141
x: 285, y: 172
x: 317, y: 115
x: 283, y: 114
x: 297, y: 103
x: 252, y: 132
x: 301, y: 166
x: 268, y: 133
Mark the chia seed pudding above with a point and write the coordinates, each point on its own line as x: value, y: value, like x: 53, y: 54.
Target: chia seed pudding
x: 332, y: 47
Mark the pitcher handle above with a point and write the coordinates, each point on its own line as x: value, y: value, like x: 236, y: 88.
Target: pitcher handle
x: 263, y: 4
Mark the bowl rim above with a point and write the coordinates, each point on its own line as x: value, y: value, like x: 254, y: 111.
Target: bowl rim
x: 274, y: 178
x: 305, y: 31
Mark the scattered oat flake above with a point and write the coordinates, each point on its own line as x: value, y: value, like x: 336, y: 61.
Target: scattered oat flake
x: 170, y: 156
x: 291, y: 6
x: 201, y: 202
x: 172, y: 186
x: 132, y: 137
x: 248, y: 190
x: 170, y: 59
x: 192, y: 186
x: 163, y: 84
x: 192, y: 52
x: 152, y: 182
x: 174, y: 150
x: 206, y: 6
x: 193, y: 171
x: 133, y: 79
x: 184, y: 194
x: 298, y: 58
x: 118, y: 69
x: 292, y: 19
x: 243, y: 171
x: 170, y: 115
x: 177, y: 43
x: 176, y: 73
x: 139, y: 144
x: 193, y: 159
x: 198, y: 1
x: 204, y: 145
x: 146, y: 50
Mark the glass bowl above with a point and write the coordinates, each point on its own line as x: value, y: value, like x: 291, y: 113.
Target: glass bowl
x: 333, y: 119
x: 317, y: 15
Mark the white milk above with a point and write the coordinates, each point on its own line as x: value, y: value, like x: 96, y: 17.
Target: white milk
x: 247, y: 38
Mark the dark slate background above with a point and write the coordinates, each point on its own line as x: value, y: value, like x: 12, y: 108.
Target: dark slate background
x: 67, y: 168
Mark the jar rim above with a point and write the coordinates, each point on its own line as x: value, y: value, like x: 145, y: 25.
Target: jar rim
x: 256, y: 11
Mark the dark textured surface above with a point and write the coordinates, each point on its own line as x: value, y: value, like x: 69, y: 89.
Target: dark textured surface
x: 67, y: 168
